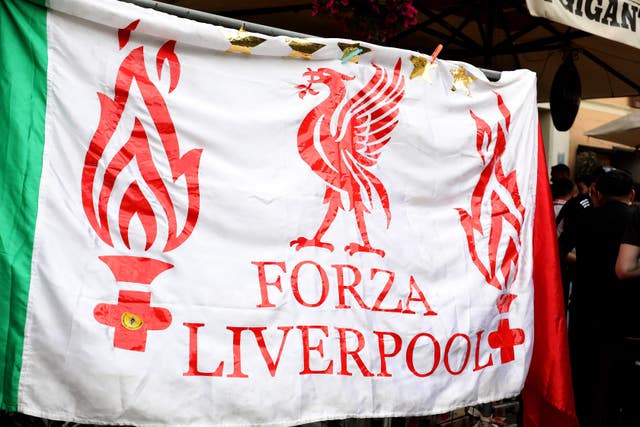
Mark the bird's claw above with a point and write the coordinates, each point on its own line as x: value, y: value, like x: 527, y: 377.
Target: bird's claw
x: 303, y: 242
x: 352, y: 248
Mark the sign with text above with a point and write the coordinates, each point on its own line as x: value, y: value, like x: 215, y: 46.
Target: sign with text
x: 612, y: 19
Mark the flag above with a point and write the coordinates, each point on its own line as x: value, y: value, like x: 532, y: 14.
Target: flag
x: 203, y: 225
x: 548, y: 393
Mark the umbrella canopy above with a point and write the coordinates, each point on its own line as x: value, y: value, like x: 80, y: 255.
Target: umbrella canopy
x: 493, y: 34
x: 625, y: 130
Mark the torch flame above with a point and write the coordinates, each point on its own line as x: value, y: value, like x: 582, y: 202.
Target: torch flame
x: 499, y: 205
x: 138, y: 148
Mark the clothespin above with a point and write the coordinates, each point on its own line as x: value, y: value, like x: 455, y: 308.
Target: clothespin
x: 435, y: 53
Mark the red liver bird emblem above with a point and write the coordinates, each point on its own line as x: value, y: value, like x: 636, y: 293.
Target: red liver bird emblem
x: 341, y: 140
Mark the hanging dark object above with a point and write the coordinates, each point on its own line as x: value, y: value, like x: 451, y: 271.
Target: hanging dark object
x: 565, y: 94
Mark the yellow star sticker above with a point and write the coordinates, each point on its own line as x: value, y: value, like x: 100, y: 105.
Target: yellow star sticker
x: 461, y: 79
x: 422, y: 67
x: 301, y: 48
x: 348, y: 50
x: 241, y: 41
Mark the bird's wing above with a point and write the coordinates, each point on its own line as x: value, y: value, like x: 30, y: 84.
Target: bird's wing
x: 366, y: 127
x: 374, y: 113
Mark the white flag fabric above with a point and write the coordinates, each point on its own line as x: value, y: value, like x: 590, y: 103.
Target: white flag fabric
x: 227, y: 228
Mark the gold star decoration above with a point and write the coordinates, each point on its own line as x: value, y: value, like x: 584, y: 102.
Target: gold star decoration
x: 422, y: 67
x: 242, y: 41
x: 301, y: 48
x: 461, y: 80
x: 349, y: 49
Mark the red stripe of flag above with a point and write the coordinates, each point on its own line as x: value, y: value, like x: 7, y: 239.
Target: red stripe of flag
x: 548, y: 392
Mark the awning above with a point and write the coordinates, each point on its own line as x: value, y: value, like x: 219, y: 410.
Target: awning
x: 625, y: 130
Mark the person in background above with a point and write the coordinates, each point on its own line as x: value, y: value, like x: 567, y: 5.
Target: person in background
x: 562, y: 190
x: 584, y: 184
x: 571, y: 210
x: 566, y: 224
x: 560, y: 171
x: 628, y: 271
x: 636, y: 188
x: 595, y: 331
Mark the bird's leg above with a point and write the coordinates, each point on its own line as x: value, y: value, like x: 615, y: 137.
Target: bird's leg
x: 302, y: 242
x: 352, y: 248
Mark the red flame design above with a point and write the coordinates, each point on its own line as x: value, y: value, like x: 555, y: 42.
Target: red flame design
x: 137, y: 148
x: 487, y: 203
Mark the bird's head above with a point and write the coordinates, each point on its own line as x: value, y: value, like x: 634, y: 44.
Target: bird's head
x: 321, y: 75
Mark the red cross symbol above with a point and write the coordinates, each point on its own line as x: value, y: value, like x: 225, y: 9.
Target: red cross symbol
x: 505, y: 339
x: 132, y: 317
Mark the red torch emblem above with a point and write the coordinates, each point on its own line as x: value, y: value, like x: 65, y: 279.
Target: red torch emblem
x: 493, y: 226
x: 131, y: 170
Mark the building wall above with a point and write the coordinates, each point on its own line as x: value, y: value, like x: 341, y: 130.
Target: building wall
x: 561, y: 147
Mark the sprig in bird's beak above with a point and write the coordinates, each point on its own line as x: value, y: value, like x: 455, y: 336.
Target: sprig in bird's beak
x: 314, y: 76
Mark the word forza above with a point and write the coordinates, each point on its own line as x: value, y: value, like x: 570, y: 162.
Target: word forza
x: 385, y: 280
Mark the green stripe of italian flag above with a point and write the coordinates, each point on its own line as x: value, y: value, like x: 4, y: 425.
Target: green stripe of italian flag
x: 23, y: 92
